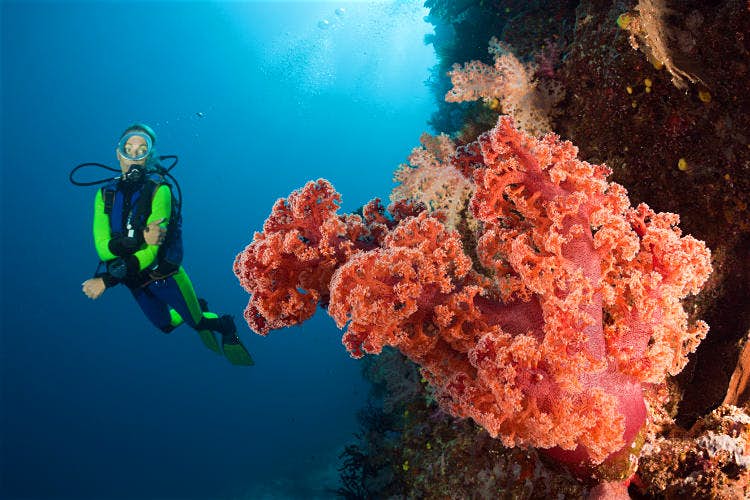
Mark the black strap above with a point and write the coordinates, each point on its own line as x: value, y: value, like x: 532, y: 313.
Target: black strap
x: 109, y: 200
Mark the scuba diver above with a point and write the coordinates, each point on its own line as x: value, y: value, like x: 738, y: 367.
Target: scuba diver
x: 138, y: 237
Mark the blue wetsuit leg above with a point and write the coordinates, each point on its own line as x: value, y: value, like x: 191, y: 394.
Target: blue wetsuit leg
x: 168, y: 292
x: 155, y: 309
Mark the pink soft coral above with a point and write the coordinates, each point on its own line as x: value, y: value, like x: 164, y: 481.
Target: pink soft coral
x: 546, y: 339
x: 430, y: 178
x: 509, y: 84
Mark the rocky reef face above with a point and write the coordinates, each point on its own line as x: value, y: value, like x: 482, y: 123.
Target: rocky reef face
x: 657, y: 91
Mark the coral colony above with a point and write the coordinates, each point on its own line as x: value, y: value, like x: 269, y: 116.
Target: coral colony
x: 536, y: 300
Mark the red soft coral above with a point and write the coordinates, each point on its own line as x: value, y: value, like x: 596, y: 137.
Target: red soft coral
x: 287, y: 267
x: 572, y: 303
x: 388, y: 295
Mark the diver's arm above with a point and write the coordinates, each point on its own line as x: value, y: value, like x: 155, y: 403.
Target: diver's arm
x: 109, y: 280
x: 102, y: 231
x: 161, y: 209
x: 130, y: 265
x: 103, y: 239
x: 108, y: 247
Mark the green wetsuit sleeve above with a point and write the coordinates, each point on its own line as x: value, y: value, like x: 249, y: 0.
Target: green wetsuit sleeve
x: 102, y: 231
x: 161, y: 208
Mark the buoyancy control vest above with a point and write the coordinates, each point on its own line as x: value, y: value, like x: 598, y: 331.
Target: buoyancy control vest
x: 129, y: 208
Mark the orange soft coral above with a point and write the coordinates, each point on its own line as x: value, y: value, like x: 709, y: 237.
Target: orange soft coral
x: 546, y: 340
x: 288, y: 266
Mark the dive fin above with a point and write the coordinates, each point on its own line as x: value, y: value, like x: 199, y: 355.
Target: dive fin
x: 233, y: 349
x: 235, y: 352
x: 209, y: 340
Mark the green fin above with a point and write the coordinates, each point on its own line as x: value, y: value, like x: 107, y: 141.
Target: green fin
x: 209, y: 340
x: 235, y: 351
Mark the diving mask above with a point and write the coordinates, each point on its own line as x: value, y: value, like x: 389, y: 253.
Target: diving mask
x: 134, y: 146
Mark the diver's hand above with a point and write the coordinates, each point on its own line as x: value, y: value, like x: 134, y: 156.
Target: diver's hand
x: 154, y: 234
x: 94, y: 288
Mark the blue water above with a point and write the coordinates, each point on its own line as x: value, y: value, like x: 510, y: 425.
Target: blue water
x: 256, y: 99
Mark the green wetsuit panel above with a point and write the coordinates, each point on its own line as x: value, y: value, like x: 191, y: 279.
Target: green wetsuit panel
x: 161, y: 208
x: 191, y: 300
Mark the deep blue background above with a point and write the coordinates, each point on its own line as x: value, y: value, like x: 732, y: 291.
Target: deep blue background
x: 96, y: 403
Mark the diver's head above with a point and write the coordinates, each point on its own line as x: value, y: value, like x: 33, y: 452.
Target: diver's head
x: 136, y: 147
